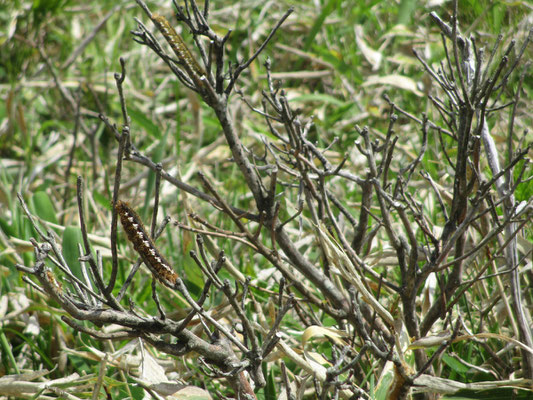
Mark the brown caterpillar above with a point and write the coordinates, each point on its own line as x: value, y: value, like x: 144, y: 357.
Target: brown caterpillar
x: 56, y: 286
x: 194, y: 70
x: 144, y: 245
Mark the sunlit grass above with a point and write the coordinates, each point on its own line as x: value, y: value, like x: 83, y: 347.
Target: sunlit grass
x: 37, y: 123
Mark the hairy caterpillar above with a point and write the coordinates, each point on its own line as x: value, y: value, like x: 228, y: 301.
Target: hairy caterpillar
x: 144, y: 245
x: 194, y: 70
x: 55, y: 285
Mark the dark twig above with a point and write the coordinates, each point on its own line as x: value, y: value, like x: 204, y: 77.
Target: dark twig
x: 124, y: 148
x: 241, y: 67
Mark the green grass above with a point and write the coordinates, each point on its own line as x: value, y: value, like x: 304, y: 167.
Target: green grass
x: 37, y: 123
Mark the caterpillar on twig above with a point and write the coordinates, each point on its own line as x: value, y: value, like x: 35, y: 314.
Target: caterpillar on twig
x: 194, y: 70
x: 144, y: 245
x: 56, y: 286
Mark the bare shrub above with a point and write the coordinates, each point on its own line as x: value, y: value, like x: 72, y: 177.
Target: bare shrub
x: 390, y: 278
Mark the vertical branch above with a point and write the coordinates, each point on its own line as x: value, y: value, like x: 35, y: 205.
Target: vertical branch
x: 153, y: 225
x: 504, y: 188
x: 123, y: 147
x: 88, y: 253
x: 72, y: 149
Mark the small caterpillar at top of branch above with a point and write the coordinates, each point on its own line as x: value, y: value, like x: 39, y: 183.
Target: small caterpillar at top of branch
x: 194, y: 70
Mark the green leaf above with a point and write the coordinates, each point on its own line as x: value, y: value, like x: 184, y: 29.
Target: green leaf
x: 319, y: 21
x: 6, y: 227
x: 71, y: 238
x: 190, y: 269
x: 494, y: 394
x: 139, y: 118
x: 150, y: 184
x: 270, y: 388
x: 7, y: 350
x: 407, y: 7
x: 102, y: 200
x: 321, y: 98
x: 383, y: 385
x: 524, y: 190
x: 43, y: 207
x: 455, y: 364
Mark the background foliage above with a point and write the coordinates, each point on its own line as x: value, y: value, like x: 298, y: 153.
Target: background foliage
x: 336, y: 60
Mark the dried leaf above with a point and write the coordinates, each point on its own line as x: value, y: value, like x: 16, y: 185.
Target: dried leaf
x: 448, y: 386
x: 151, y: 371
x: 430, y: 341
x: 320, y: 332
x: 399, y: 81
x: 3, y: 305
x: 428, y: 292
x: 372, y: 56
x: 338, y: 257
